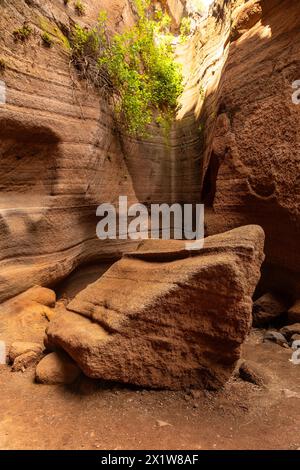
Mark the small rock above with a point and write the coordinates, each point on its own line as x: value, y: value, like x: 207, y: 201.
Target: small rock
x: 57, y: 368
x: 20, y: 348
x: 162, y: 424
x: 294, y: 313
x: 25, y: 360
x: 251, y: 372
x: 290, y: 330
x: 276, y: 337
x: 295, y: 337
x: 295, y: 345
x: 267, y: 309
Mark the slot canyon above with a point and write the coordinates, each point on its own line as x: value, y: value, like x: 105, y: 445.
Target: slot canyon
x: 129, y: 343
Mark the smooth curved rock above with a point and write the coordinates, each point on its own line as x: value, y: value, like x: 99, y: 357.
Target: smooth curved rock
x: 55, y: 369
x: 176, y: 320
x: 267, y: 309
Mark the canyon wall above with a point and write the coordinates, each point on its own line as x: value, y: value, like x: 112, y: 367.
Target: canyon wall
x: 60, y: 154
x: 234, y: 144
x: 252, y: 156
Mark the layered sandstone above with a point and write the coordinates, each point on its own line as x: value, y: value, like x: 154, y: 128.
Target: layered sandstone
x: 61, y: 155
x: 165, y: 316
x: 253, y: 171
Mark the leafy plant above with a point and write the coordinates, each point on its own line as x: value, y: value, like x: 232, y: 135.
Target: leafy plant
x: 137, y: 68
x: 22, y: 34
x: 46, y: 38
x: 79, y: 8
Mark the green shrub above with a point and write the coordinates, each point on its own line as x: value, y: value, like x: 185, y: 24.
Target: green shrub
x: 22, y: 34
x: 46, y: 38
x: 137, y: 68
x: 79, y: 8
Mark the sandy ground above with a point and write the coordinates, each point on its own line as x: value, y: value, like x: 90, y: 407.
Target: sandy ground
x: 96, y: 415
x: 93, y: 415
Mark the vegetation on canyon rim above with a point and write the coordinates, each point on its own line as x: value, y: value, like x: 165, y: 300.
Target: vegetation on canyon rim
x: 137, y: 67
x: 23, y: 33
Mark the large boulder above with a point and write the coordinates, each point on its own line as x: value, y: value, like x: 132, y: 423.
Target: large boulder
x: 166, y: 317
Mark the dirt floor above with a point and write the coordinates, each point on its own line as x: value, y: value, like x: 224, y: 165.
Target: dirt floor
x: 95, y: 415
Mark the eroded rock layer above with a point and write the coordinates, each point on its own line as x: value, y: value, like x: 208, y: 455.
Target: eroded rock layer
x: 253, y: 175
x: 60, y: 154
x: 165, y: 316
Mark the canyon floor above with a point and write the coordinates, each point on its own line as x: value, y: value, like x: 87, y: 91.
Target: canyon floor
x: 98, y: 416
x: 93, y: 415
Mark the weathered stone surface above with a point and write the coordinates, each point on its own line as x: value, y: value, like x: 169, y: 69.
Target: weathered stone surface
x: 41, y: 295
x: 25, y: 360
x: 56, y: 368
x: 294, y: 313
x: 19, y: 347
x: 267, y: 309
x: 290, y: 330
x: 253, y: 172
x: 250, y: 372
x: 165, y: 316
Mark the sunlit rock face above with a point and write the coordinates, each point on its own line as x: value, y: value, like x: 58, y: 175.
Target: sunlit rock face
x: 163, y: 318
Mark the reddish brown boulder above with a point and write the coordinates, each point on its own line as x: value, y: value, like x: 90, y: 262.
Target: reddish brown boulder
x: 164, y: 316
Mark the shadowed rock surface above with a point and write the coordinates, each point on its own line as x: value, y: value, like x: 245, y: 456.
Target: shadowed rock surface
x: 61, y: 155
x: 253, y: 174
x: 165, y: 317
